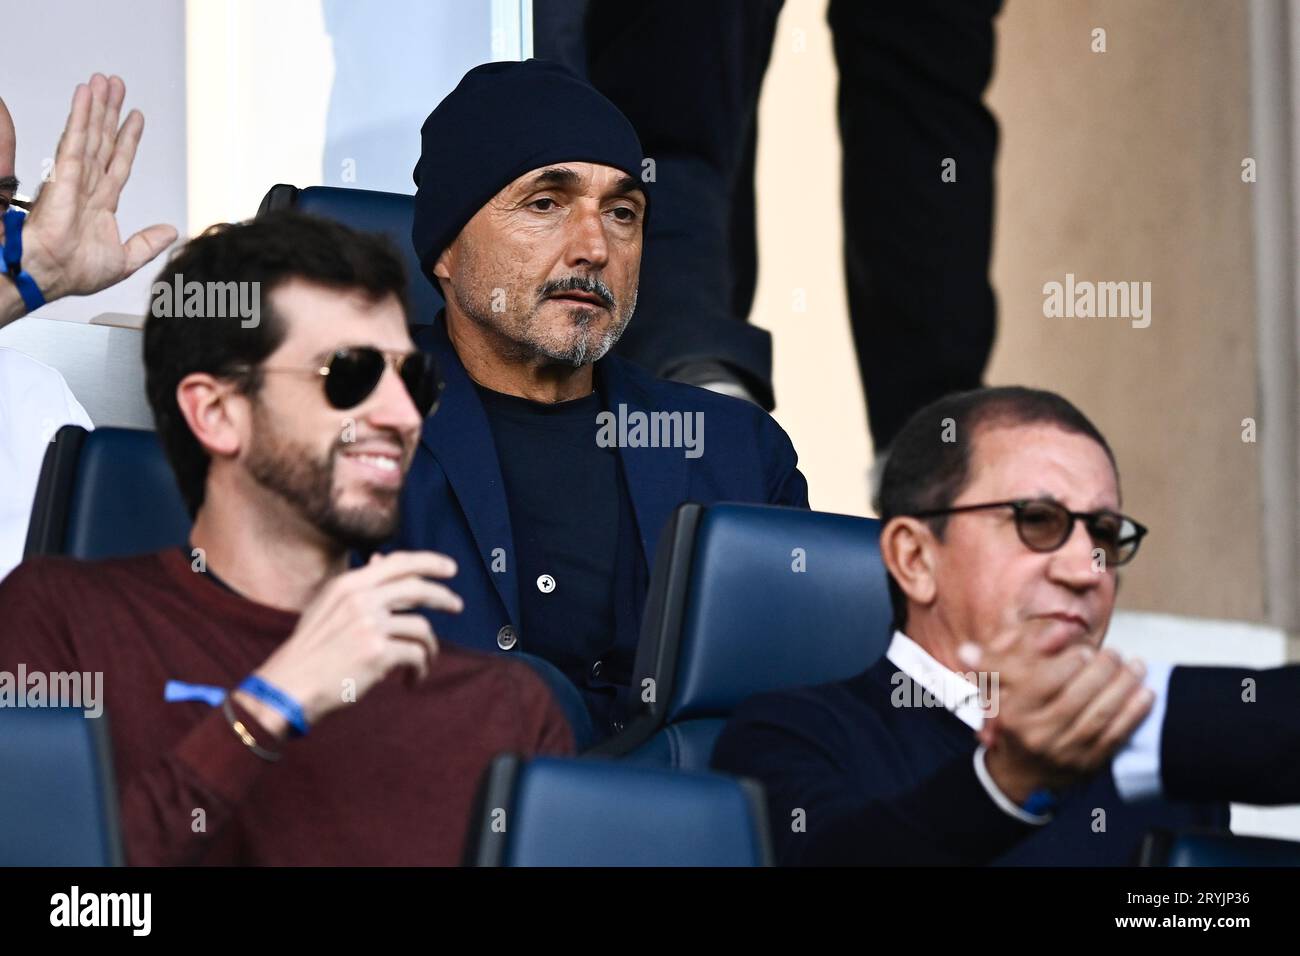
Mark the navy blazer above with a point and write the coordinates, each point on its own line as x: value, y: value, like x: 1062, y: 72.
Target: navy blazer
x: 454, y: 500
x: 1232, y: 733
x: 871, y: 783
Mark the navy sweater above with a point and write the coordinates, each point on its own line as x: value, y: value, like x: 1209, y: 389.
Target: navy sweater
x: 852, y: 779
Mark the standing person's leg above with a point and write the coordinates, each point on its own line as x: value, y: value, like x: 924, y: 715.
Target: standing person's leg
x: 744, y: 229
x: 560, y: 32
x: 688, y: 75
x: 916, y: 248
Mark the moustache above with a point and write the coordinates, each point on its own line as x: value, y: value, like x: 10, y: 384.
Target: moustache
x: 589, y: 284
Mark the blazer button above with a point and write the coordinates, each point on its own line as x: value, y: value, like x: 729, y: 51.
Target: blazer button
x: 546, y: 584
x: 595, y: 671
x: 506, y: 638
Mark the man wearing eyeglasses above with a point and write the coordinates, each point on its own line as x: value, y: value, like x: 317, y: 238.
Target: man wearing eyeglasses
x: 1002, y: 535
x: 66, y: 244
x: 70, y: 243
x: 270, y: 706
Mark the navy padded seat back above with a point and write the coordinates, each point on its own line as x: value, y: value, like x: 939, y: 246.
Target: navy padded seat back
x: 730, y: 615
x: 1215, y: 848
x: 754, y: 624
x: 371, y: 211
x: 107, y: 493
x: 583, y: 812
x: 687, y: 744
x: 57, y: 802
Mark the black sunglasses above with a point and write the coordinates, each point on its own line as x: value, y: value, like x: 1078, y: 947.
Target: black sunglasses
x: 351, y: 375
x: 1044, y: 525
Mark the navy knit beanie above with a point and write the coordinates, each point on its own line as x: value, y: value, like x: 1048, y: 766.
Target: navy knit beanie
x: 500, y: 121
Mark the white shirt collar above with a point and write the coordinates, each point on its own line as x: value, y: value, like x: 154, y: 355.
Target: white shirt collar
x: 958, y: 695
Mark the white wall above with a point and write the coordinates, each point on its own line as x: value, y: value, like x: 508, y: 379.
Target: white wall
x: 322, y: 92
x: 60, y: 43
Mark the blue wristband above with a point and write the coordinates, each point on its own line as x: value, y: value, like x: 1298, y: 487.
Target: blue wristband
x: 31, y: 293
x: 176, y: 690
x: 274, y: 697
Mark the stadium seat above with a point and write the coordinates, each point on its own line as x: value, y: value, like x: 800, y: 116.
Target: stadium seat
x: 1215, y: 848
x: 745, y: 599
x: 371, y: 211
x: 577, y: 812
x: 57, y: 802
x: 108, y: 493
x: 567, y: 696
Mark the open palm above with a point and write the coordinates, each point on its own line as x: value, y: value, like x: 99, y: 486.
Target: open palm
x: 71, y: 241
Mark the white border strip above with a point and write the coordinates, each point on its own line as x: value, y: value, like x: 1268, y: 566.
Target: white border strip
x: 1274, y: 126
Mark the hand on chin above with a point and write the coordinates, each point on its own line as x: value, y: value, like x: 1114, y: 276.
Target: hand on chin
x: 1053, y: 634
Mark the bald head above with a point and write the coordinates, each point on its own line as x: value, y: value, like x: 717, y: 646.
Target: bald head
x: 8, y: 149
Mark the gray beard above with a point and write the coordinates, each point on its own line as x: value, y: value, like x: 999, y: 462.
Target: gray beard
x: 580, y: 353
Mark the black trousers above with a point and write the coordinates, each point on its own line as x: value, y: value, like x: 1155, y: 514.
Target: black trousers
x: 688, y: 74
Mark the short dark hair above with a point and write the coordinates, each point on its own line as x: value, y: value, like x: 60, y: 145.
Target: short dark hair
x: 269, y: 250
x: 929, y: 460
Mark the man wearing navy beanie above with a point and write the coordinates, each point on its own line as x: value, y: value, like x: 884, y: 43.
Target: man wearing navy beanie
x: 501, y: 121
x: 552, y: 466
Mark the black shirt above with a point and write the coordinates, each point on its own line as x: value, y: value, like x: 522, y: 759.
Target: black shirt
x: 575, y: 543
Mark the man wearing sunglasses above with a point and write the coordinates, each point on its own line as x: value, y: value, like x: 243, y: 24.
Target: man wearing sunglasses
x: 1002, y: 535
x: 552, y: 466
x: 268, y: 705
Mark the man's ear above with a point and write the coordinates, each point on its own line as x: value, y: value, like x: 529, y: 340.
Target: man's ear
x: 442, y: 267
x: 214, y: 411
x: 907, y: 546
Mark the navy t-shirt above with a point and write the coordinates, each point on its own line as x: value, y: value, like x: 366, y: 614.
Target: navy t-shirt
x: 575, y: 541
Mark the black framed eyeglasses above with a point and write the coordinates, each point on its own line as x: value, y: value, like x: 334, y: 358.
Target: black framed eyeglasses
x: 352, y: 374
x: 9, y: 195
x: 1045, y: 525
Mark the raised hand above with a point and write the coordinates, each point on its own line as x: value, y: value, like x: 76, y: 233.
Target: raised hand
x: 71, y: 244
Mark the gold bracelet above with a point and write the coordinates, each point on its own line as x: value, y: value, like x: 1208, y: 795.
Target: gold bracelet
x: 242, y: 733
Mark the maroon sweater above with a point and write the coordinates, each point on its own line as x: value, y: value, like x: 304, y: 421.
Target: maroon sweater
x: 387, y: 780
